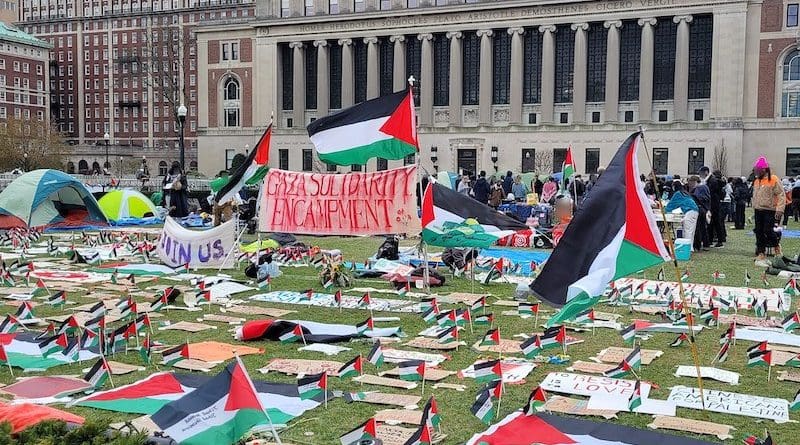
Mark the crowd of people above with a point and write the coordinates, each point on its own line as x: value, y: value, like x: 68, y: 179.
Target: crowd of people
x: 511, y: 188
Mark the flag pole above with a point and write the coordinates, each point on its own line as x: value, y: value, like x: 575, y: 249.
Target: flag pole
x: 264, y: 410
x: 425, y: 274
x: 681, y: 290
x: 108, y: 367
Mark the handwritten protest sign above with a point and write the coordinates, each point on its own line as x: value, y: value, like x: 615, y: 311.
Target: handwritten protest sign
x: 331, y: 204
x: 731, y: 403
x: 722, y: 432
x: 199, y: 249
x: 589, y: 385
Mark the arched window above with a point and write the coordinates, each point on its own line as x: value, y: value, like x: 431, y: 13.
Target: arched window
x: 162, y: 168
x: 96, y: 167
x: 70, y: 167
x: 231, y: 89
x: 83, y: 166
x: 790, y: 88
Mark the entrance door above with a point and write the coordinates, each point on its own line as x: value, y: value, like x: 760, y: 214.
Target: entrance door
x: 467, y: 161
x: 528, y: 160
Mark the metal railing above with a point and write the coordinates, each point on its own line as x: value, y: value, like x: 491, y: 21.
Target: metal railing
x: 99, y: 183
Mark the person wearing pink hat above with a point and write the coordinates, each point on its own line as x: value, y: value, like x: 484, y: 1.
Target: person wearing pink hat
x: 769, y: 203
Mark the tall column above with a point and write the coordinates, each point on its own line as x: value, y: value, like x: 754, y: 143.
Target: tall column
x: 323, y: 79
x: 373, y: 87
x: 646, y: 70
x: 751, y: 58
x: 456, y: 77
x: 485, y: 84
x: 298, y: 85
x: 579, y: 74
x: 399, y: 80
x: 426, y: 81
x: 516, y: 75
x: 348, y: 94
x: 612, y: 70
x: 548, y: 73
x: 681, y: 86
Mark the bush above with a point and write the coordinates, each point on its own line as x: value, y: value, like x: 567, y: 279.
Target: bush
x: 54, y: 432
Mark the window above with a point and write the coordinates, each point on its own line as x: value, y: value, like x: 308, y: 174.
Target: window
x: 441, y: 70
x: 360, y: 70
x: 501, y: 73
x: 231, y: 117
x: 283, y: 158
x: 333, y: 6
x: 355, y: 168
x: 359, y: 5
x: 698, y: 114
x: 471, y: 68
x: 412, y: 3
x: 592, y: 160
x: 162, y: 167
x: 383, y: 164
x: 629, y: 55
x: 661, y: 161
x: 697, y: 159
x: 663, y: 115
x: 628, y: 116
x: 528, y: 160
x: 532, y: 118
x: 792, y: 161
x: 311, y: 76
x: 409, y: 160
x: 309, y: 9
x: 790, y: 103
x: 308, y: 160
x: 700, y: 47
x: 285, y: 8
x: 563, y: 118
x: 335, y: 75
x: 791, y: 15
x: 595, y: 117
x: 664, y: 35
x: 565, y: 49
x: 386, y: 66
x: 386, y: 4
x: 229, y: 155
x: 596, y: 63
x: 287, y: 57
x: 413, y: 61
x: 532, y: 67
x: 559, y: 156
x: 331, y: 168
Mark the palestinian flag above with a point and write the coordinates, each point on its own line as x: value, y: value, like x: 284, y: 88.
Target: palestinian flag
x: 483, y: 408
x: 9, y: 325
x: 292, y: 335
x: 159, y: 302
x: 554, y: 337
x: 794, y: 405
x: 532, y: 346
x: 58, y: 342
x: 760, y: 346
x: 384, y: 127
x: 791, y: 322
x: 366, y: 325
x: 250, y: 172
x: 430, y: 315
x: 422, y: 436
x: 729, y: 334
x: 97, y: 310
x: 310, y: 386
x: 314, y: 332
x: 404, y: 290
x: 220, y: 412
x: 793, y: 362
x: 412, y: 370
x: 57, y: 298
x: 449, y: 335
x: 603, y: 242
x: 685, y: 276
x: 176, y: 354
x: 451, y: 219
x: 337, y: 298
x: 427, y: 303
x: 759, y: 358
x: 488, y: 371
x: 760, y: 308
x: 585, y: 317
x: 98, y: 374
x: 495, y: 272
x: 722, y: 355
x: 791, y: 287
x: 142, y: 321
x: 485, y: 319
x: 124, y: 302
x: 264, y: 282
x: 710, y: 316
x: 635, y: 400
x: 492, y: 337
x: 679, y: 341
x: 351, y: 368
x: 365, y: 300
x: 634, y: 359
x: 145, y: 350
x: 365, y: 431
x: 430, y: 413
x: 478, y: 304
x: 524, y: 308
x: 567, y: 168
x: 89, y: 338
x: 68, y: 326
x: 375, y: 355
x: 536, y: 401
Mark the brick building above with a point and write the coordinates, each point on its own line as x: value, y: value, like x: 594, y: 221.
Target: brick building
x: 23, y: 77
x: 122, y: 68
x: 506, y: 85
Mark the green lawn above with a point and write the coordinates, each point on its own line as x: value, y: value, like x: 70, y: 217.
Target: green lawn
x: 323, y: 426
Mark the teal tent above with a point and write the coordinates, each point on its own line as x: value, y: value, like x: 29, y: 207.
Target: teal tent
x: 50, y: 199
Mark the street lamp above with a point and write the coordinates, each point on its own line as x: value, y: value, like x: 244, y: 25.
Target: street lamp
x: 25, y: 165
x: 181, y: 111
x: 107, y: 138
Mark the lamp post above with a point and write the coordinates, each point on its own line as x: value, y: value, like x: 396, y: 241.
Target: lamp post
x: 107, y: 138
x: 25, y: 165
x: 181, y: 112
x: 495, y: 157
x: 435, y: 158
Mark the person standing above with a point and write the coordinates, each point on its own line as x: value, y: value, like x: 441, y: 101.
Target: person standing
x: 681, y: 199
x: 480, y: 190
x: 518, y: 189
x: 702, y: 197
x: 716, y: 188
x: 464, y: 186
x: 508, y: 181
x: 176, y: 185
x: 741, y: 196
x: 727, y: 202
x: 537, y: 186
x: 769, y: 203
x: 796, y: 200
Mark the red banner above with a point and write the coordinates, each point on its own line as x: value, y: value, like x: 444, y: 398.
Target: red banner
x: 333, y: 204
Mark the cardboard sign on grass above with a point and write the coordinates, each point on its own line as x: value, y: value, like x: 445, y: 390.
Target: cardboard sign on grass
x: 301, y: 367
x: 616, y: 355
x: 589, y: 385
x: 575, y: 407
x: 370, y: 379
x: 721, y: 432
x: 731, y: 403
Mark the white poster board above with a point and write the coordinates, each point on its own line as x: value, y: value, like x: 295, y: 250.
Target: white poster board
x: 589, y: 385
x: 205, y: 249
x: 731, y: 403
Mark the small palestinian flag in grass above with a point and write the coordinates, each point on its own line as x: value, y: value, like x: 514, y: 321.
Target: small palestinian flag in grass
x: 366, y: 325
x: 449, y: 335
x: 793, y: 362
x: 124, y: 302
x: 364, y: 432
x: 352, y: 368
x: 24, y: 311
x: 447, y: 318
x: 311, y: 386
x: 760, y: 308
x: 430, y: 315
x: 536, y: 401
x: 478, y: 304
x: 524, y: 308
x: 759, y: 358
x: 760, y: 346
x: 184, y: 268
x: 142, y: 321
x: 96, y: 323
x: 791, y: 322
x: 532, y: 346
x: 129, y: 311
x: 309, y: 294
x: 41, y: 289
x: 365, y: 300
x: 90, y: 338
x: 722, y: 354
x: 794, y: 405
x: 203, y: 295
x: 430, y: 414
x: 790, y: 288
x: 411, y: 370
x: 585, y: 317
x: 488, y: 371
x: 57, y: 299
x: 680, y: 340
x: 7, y: 281
x: 337, y: 299
x: 635, y: 400
x: 491, y: 338
x: 145, y: 350
x: 483, y: 408
x: 54, y: 344
x: 404, y: 290
x: 375, y: 355
x: 175, y: 354
x: 631, y: 363
x: 729, y: 334
x: 328, y: 283
x: 98, y: 374
x: 629, y: 334
x: 428, y: 303
x: 422, y: 436
x: 292, y: 335
x: 160, y: 301
x: 754, y: 440
x: 717, y: 275
x: 685, y: 320
x: 97, y: 310
x: 710, y: 316
x: 9, y: 325
x: 265, y: 282
x: 68, y: 326
x: 485, y: 319
x: 685, y: 276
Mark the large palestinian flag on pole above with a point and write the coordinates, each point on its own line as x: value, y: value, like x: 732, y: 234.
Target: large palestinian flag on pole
x: 250, y: 172
x: 379, y: 128
x: 451, y: 219
x: 613, y: 234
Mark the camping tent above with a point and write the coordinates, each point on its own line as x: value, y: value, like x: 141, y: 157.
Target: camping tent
x: 120, y: 204
x: 50, y: 199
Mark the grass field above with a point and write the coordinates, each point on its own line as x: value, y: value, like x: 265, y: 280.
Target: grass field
x: 324, y: 426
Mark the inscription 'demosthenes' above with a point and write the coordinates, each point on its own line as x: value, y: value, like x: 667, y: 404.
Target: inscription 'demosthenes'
x: 478, y: 16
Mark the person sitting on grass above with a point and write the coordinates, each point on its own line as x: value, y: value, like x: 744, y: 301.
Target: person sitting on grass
x: 681, y: 199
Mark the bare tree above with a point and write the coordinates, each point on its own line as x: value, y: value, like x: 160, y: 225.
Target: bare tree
x: 720, y: 161
x: 30, y: 144
x: 543, y: 162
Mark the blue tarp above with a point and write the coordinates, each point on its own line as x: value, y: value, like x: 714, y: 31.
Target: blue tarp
x: 517, y: 256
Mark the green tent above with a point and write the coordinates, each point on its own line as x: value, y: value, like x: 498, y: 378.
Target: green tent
x: 121, y: 204
x: 48, y: 198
